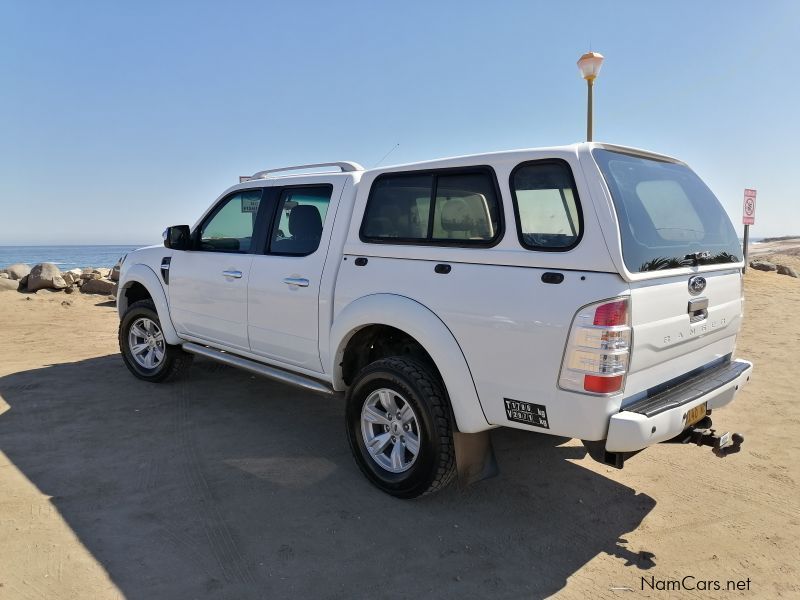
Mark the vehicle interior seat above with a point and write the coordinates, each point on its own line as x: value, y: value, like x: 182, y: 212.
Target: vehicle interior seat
x: 467, y: 217
x: 305, y: 231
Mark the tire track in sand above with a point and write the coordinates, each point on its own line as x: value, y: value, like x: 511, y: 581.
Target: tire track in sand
x: 221, y: 542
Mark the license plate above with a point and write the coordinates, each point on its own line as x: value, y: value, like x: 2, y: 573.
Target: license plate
x: 695, y: 414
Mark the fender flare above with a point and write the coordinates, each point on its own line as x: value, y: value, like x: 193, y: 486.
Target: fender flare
x: 145, y: 276
x: 423, y: 325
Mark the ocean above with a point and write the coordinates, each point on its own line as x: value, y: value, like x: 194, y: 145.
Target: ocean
x: 65, y: 257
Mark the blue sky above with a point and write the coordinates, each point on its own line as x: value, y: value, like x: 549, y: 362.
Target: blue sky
x: 117, y: 119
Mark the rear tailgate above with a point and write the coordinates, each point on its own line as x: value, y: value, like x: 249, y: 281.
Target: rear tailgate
x: 672, y: 337
x: 681, y: 255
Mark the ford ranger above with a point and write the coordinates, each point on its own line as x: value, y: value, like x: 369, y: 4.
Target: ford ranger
x: 590, y: 291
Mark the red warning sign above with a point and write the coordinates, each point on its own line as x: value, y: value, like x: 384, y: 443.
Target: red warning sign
x: 749, y: 207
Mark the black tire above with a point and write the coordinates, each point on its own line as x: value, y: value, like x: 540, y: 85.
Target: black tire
x: 175, y: 362
x: 435, y: 465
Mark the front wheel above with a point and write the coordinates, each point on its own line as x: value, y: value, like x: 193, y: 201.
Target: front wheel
x: 144, y: 349
x: 399, y: 427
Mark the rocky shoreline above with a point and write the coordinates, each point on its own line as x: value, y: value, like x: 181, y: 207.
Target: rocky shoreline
x: 763, y: 265
x: 47, y: 276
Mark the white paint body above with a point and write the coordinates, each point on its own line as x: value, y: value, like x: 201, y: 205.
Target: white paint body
x: 494, y: 329
x: 206, y: 304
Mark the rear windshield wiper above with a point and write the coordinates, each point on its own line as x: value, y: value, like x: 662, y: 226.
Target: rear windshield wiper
x: 696, y: 257
x: 689, y: 260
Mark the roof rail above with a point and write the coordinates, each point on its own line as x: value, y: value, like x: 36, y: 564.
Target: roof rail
x: 346, y: 166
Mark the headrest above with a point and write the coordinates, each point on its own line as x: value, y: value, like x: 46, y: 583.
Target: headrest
x: 456, y: 216
x: 304, y: 220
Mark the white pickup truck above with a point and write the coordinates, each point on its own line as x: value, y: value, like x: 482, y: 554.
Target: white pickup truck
x: 589, y: 291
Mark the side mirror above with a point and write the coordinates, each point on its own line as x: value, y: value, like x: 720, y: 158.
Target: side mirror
x: 178, y: 237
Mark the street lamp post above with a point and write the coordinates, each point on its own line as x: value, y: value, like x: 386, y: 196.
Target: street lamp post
x: 589, y: 65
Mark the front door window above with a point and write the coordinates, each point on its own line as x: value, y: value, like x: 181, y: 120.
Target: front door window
x: 230, y: 227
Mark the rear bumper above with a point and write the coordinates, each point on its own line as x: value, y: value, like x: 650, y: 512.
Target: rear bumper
x: 663, y: 416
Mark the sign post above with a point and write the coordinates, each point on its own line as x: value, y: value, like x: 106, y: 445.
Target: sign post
x: 748, y: 218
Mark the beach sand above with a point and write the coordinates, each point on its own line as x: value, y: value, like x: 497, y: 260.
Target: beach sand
x: 785, y: 247
x: 226, y: 485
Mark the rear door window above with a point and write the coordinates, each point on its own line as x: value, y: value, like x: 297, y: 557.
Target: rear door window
x: 297, y: 229
x: 546, y: 205
x: 448, y: 207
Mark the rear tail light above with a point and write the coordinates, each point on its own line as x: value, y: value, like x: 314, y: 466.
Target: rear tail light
x: 611, y: 314
x: 602, y: 385
x: 598, y: 349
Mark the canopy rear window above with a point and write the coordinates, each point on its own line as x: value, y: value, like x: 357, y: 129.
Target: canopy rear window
x: 668, y: 218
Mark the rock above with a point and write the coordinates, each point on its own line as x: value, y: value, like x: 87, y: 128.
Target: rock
x: 114, y: 276
x: 4, y: 275
x: 17, y: 271
x: 91, y: 275
x: 784, y: 270
x: 45, y: 276
x: 99, y: 286
x: 104, y: 272
x: 71, y: 277
x: 23, y: 283
x: 762, y: 265
x: 69, y: 290
x: 7, y: 285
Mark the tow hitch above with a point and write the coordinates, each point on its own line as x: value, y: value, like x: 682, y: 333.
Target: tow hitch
x: 701, y: 434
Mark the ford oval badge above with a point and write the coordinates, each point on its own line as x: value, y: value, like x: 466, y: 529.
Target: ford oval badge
x: 696, y: 285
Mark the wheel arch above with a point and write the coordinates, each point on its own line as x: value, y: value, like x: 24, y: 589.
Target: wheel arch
x: 421, y: 325
x: 137, y: 280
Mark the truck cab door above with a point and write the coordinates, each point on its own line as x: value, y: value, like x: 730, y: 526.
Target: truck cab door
x: 208, y: 284
x: 284, y: 285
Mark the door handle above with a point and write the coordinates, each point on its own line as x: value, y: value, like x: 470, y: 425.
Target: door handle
x: 298, y: 281
x: 234, y: 274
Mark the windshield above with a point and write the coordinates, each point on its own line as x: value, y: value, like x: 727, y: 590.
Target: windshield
x: 668, y: 217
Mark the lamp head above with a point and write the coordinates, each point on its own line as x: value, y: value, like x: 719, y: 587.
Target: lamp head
x: 589, y: 65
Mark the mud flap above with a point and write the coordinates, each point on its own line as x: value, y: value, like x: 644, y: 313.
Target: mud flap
x: 597, y: 451
x: 475, y: 458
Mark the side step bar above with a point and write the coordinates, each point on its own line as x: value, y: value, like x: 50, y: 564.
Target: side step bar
x: 259, y: 369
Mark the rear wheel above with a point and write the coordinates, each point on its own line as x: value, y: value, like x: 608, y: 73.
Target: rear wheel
x: 400, y: 428
x: 145, y: 350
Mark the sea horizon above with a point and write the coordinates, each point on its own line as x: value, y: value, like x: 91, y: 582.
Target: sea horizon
x: 66, y: 256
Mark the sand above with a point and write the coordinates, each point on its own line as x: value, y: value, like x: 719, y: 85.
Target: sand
x: 779, y: 249
x: 229, y: 486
